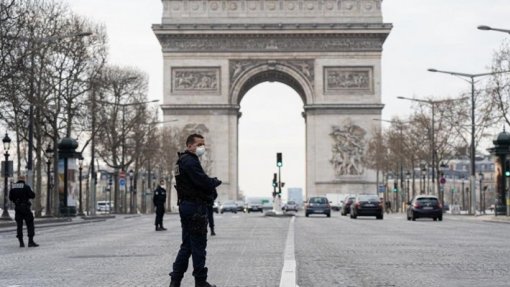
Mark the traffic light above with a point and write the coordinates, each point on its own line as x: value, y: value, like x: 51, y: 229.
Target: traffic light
x: 395, y: 187
x: 275, y: 181
x: 507, y: 168
x: 279, y: 162
x: 110, y: 182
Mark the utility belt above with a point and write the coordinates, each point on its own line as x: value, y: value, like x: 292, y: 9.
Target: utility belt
x: 193, y: 200
x: 22, y: 204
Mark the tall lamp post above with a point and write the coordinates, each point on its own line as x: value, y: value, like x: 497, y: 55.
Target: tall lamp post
x: 131, y: 201
x: 408, y: 176
x: 480, y: 176
x: 123, y: 137
x: 471, y: 79
x: 80, y: 168
x: 49, y: 155
x: 432, y: 104
x: 423, y: 173
x: 488, y: 28
x: 7, y: 145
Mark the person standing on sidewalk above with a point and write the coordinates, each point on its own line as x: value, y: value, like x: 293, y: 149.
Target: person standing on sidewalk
x: 159, y: 200
x: 20, y: 194
x: 194, y: 190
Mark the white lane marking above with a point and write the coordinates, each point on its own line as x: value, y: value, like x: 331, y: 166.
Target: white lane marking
x: 288, y: 278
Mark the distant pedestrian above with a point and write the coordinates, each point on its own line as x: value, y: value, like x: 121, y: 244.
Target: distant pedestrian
x: 159, y: 200
x: 210, y: 211
x: 20, y: 194
x: 194, y: 190
x: 388, y: 206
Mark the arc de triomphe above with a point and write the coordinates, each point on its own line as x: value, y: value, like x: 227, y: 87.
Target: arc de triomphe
x: 328, y: 51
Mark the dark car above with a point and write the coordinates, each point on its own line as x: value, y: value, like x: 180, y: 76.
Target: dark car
x: 253, y: 206
x: 240, y: 205
x: 367, y: 205
x: 425, y: 206
x: 290, y: 206
x: 346, y: 205
x: 318, y: 205
x: 229, y: 206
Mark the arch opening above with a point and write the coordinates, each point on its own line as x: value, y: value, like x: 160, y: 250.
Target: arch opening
x: 271, y: 122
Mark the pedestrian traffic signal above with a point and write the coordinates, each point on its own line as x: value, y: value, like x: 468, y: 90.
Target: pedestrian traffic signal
x: 507, y: 168
x: 395, y: 187
x: 275, y: 180
x: 279, y: 162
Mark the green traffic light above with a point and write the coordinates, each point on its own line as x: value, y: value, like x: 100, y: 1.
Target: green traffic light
x: 507, y: 173
x: 279, y: 164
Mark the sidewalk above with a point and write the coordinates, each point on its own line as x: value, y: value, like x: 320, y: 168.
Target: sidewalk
x: 482, y: 217
x: 42, y: 222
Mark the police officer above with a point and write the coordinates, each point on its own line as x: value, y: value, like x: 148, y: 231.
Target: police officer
x: 194, y: 190
x: 20, y: 194
x: 159, y: 200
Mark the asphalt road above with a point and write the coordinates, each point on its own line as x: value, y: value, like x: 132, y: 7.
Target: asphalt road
x: 249, y: 251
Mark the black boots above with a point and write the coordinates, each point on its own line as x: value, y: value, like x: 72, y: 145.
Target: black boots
x: 160, y: 228
x: 175, y: 284
x: 212, y: 231
x: 21, y: 243
x: 31, y: 242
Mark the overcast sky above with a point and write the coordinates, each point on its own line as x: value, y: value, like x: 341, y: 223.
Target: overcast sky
x: 437, y: 34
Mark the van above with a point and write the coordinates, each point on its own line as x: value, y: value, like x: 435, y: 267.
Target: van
x: 104, y: 206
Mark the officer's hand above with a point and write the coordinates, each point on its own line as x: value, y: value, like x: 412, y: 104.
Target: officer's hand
x: 218, y: 182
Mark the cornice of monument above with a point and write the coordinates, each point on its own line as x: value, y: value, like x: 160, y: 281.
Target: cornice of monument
x: 273, y: 27
x: 266, y: 42
x: 323, y: 107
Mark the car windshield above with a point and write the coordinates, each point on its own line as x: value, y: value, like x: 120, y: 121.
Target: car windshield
x: 368, y: 198
x: 320, y: 200
x: 427, y: 200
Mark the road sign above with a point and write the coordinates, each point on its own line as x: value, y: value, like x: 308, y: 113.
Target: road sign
x: 122, y: 182
x: 122, y: 174
x: 381, y: 188
x: 442, y: 180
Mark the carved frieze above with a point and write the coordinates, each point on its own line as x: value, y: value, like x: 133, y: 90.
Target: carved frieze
x: 270, y: 42
x: 348, y: 80
x: 195, y: 80
x: 348, y: 149
x: 305, y: 67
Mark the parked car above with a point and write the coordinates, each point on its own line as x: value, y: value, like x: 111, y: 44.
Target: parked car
x: 425, y: 206
x: 253, y: 206
x: 104, y: 206
x: 346, y: 204
x: 318, y: 205
x: 290, y: 206
x: 216, y: 207
x: 240, y: 205
x: 229, y: 206
x: 367, y: 205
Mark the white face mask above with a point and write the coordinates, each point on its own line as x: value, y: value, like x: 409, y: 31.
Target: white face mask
x: 200, y: 150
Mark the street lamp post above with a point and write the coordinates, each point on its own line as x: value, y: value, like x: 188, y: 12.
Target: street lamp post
x: 488, y: 28
x: 462, y: 193
x: 49, y: 155
x: 471, y: 77
x: 432, y: 104
x: 123, y: 139
x: 7, y: 145
x: 423, y: 173
x: 408, y: 176
x: 80, y: 168
x: 480, y: 175
x: 131, y: 201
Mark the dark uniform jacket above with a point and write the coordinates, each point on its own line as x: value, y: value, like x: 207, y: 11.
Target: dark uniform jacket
x: 159, y: 197
x: 21, y: 193
x: 192, y: 183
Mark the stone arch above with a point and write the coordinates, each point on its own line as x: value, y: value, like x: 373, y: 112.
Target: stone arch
x: 273, y: 72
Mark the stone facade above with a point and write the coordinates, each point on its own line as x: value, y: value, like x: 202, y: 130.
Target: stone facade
x: 328, y: 51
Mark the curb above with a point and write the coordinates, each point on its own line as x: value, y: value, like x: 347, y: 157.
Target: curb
x: 47, y: 225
